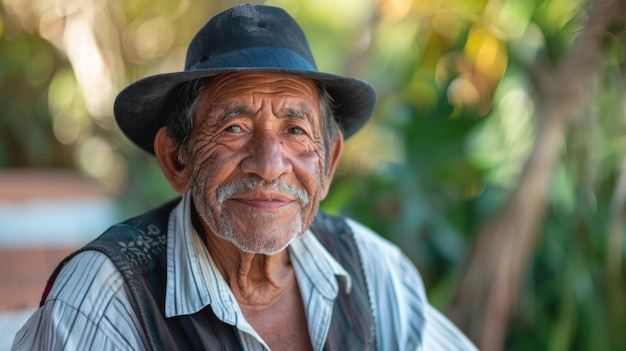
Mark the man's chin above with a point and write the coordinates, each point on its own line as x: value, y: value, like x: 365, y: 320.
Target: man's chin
x: 262, y: 248
x: 260, y: 242
x: 270, y: 250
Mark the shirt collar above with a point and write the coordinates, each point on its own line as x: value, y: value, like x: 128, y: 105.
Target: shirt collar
x: 193, y: 281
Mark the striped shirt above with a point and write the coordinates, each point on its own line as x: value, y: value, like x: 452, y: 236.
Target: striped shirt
x: 89, y: 307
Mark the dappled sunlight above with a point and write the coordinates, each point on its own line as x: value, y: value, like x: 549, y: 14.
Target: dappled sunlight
x: 560, y: 12
x: 89, y: 65
x: 98, y: 158
x: 395, y: 10
x: 463, y: 92
x: 146, y: 39
x: 71, y: 121
x: 373, y: 149
x: 508, y: 19
x: 502, y: 144
x: 449, y: 23
x: 66, y: 127
x: 529, y: 46
x: 486, y: 53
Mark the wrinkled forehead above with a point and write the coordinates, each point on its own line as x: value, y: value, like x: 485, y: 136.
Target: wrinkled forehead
x: 288, y: 95
x: 266, y: 84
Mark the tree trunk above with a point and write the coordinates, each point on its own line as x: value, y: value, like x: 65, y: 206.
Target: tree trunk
x: 488, y: 291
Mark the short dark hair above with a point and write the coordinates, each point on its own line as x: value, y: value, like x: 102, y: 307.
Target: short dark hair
x: 180, y: 122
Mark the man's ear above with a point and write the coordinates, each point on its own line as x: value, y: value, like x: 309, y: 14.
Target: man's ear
x: 166, y: 152
x: 334, y: 155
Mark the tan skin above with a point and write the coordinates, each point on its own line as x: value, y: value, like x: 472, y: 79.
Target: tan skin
x: 267, y: 127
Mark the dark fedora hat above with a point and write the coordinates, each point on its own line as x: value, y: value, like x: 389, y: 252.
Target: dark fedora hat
x: 243, y: 38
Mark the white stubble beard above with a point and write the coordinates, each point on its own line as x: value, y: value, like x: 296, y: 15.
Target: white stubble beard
x: 222, y: 225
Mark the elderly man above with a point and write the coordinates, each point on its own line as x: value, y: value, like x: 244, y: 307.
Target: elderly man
x: 250, y: 135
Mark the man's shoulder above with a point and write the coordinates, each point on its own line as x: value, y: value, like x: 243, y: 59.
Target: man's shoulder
x: 87, y: 305
x: 92, y: 278
x: 384, y: 262
x: 371, y: 240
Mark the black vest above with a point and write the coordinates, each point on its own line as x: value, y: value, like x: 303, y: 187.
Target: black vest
x: 137, y: 247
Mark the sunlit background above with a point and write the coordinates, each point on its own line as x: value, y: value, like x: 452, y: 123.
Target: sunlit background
x: 464, y: 87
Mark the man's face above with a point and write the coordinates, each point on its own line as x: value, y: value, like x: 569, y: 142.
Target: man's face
x: 256, y: 158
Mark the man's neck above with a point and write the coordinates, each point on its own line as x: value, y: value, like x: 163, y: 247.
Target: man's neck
x: 256, y: 280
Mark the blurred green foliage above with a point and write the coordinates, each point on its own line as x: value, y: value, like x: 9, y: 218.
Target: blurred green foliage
x: 456, y: 117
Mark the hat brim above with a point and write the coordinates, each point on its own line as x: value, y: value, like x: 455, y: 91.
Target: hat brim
x: 143, y: 107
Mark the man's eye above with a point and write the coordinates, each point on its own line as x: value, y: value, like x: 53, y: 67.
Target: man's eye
x: 295, y: 130
x: 233, y: 129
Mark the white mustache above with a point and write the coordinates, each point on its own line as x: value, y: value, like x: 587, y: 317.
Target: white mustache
x: 225, y: 191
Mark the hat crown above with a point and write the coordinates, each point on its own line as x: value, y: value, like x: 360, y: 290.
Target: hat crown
x: 234, y: 34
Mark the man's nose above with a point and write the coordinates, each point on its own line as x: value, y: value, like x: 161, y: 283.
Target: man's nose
x: 267, y: 158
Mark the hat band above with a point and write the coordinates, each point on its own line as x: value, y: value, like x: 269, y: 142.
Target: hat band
x: 257, y: 57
